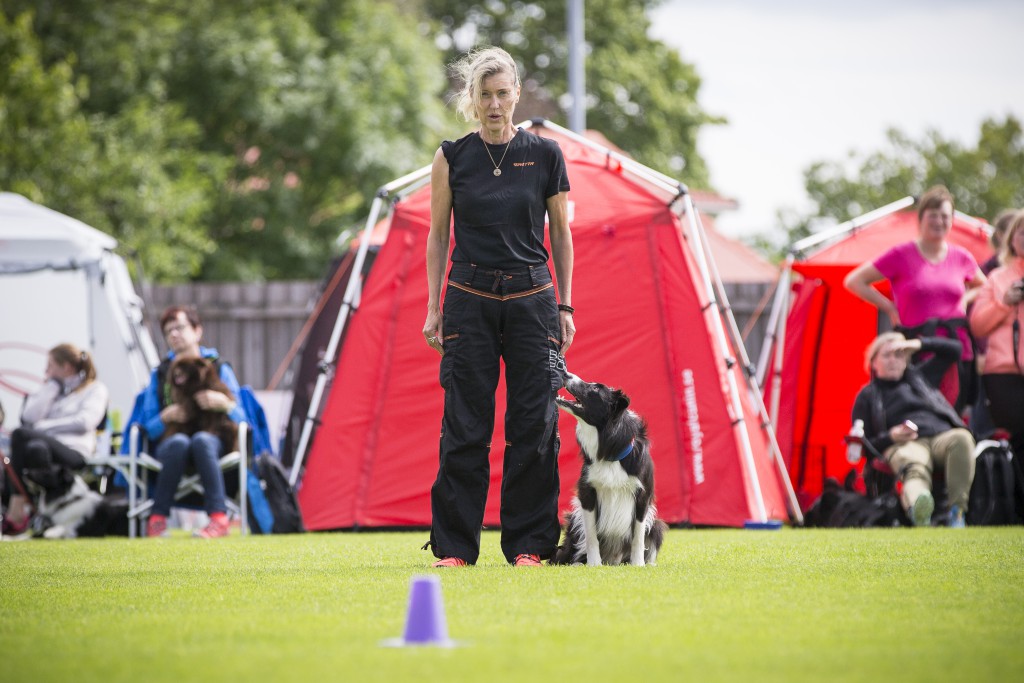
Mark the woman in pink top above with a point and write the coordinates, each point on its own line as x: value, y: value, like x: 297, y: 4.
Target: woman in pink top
x: 932, y: 282
x: 996, y: 315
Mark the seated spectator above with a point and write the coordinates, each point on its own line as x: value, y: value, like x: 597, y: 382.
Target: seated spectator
x: 203, y: 450
x: 912, y: 426
x: 996, y: 315
x: 58, y: 429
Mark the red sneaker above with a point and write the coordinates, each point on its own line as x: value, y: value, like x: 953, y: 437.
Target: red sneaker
x: 156, y: 527
x: 217, y: 528
x: 450, y: 562
x: 526, y: 560
x: 12, y: 529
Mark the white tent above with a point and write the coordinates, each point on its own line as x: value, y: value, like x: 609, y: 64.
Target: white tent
x: 60, y: 281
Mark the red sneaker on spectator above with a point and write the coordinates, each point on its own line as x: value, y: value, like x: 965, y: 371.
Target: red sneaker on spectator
x: 156, y: 527
x: 217, y: 528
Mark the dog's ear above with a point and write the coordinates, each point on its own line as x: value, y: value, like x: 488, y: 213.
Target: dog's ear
x: 621, y: 402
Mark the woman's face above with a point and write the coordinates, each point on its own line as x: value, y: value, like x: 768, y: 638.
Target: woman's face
x: 1017, y: 241
x: 496, y: 102
x: 890, y: 362
x: 57, y: 370
x: 936, y: 223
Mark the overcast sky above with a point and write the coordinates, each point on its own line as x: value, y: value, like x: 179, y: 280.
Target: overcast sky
x: 801, y: 81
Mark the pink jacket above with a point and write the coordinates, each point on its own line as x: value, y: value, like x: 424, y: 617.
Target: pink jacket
x: 991, y: 318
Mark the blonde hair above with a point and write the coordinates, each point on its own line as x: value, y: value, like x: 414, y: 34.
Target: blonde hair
x: 875, y: 346
x: 80, y: 360
x: 999, y: 227
x: 472, y: 69
x: 1016, y: 223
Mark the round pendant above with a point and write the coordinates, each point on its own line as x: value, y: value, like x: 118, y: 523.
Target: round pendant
x: 497, y: 171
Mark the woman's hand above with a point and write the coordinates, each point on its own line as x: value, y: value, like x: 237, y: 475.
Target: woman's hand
x: 902, y: 433
x: 568, y: 330
x: 433, y: 332
x: 173, y: 413
x: 208, y: 399
x: 1014, y: 294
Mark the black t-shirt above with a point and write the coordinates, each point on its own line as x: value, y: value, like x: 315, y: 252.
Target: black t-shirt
x: 499, y: 220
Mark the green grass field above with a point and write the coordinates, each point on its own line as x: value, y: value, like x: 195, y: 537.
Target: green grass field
x: 722, y: 605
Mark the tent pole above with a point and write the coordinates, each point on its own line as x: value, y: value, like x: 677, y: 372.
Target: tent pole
x: 748, y: 369
x: 849, y: 226
x: 780, y: 350
x: 332, y: 347
x: 351, y: 291
x: 655, y: 178
x: 773, y: 319
x: 739, y: 424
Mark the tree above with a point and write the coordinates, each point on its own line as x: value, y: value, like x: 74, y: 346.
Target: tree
x: 640, y: 94
x: 984, y: 179
x: 130, y: 173
x: 222, y: 140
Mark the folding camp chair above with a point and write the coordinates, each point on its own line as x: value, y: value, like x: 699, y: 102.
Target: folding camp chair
x: 143, y: 467
x: 879, y: 478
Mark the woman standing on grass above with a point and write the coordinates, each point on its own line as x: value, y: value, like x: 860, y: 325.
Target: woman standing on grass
x: 997, y: 315
x: 932, y: 283
x: 498, y: 182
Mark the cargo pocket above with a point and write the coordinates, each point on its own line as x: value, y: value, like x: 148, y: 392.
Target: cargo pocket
x: 556, y: 363
x: 450, y: 351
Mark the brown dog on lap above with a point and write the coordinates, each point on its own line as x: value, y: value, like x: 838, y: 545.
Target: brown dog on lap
x: 186, y: 376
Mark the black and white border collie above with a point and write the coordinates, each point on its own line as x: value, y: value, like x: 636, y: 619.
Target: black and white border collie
x: 613, y: 519
x: 77, y: 511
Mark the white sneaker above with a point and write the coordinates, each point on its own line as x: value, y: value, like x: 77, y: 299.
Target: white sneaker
x: 921, y: 512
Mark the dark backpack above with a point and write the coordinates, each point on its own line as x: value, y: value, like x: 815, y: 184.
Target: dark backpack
x: 993, y: 493
x: 838, y: 507
x: 285, y: 517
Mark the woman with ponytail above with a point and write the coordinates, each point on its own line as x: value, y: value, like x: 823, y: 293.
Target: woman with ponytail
x: 58, y: 428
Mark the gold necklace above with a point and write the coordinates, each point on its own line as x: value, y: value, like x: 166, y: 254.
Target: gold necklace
x: 497, y: 170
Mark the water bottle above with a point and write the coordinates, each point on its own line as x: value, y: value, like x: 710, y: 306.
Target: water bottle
x: 855, y: 442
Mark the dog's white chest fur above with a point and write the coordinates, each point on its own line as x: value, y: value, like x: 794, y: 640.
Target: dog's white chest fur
x: 616, y: 498
x: 616, y: 490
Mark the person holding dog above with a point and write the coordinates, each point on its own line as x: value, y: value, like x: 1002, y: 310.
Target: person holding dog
x: 58, y: 429
x: 911, y: 425
x: 497, y: 183
x: 183, y: 331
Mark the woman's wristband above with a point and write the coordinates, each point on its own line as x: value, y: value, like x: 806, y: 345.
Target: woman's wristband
x: 567, y: 308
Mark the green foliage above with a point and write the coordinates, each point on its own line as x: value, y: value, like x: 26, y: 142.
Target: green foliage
x: 45, y: 141
x: 984, y: 179
x: 641, y: 95
x: 722, y: 605
x: 219, y: 140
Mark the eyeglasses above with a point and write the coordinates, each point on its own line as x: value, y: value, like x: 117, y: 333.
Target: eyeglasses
x: 170, y: 329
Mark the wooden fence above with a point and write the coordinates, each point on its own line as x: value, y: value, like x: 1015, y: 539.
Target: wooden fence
x: 254, y: 325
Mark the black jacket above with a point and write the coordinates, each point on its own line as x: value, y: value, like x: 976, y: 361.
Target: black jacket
x: 922, y: 380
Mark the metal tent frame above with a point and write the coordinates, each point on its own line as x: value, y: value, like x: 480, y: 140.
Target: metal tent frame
x: 679, y: 200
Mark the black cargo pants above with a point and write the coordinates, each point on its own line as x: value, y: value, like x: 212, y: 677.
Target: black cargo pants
x: 490, y: 316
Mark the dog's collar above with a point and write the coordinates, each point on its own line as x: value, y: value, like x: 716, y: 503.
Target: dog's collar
x: 626, y: 451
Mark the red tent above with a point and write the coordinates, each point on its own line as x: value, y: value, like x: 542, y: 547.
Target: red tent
x: 643, y: 325
x: 824, y: 337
